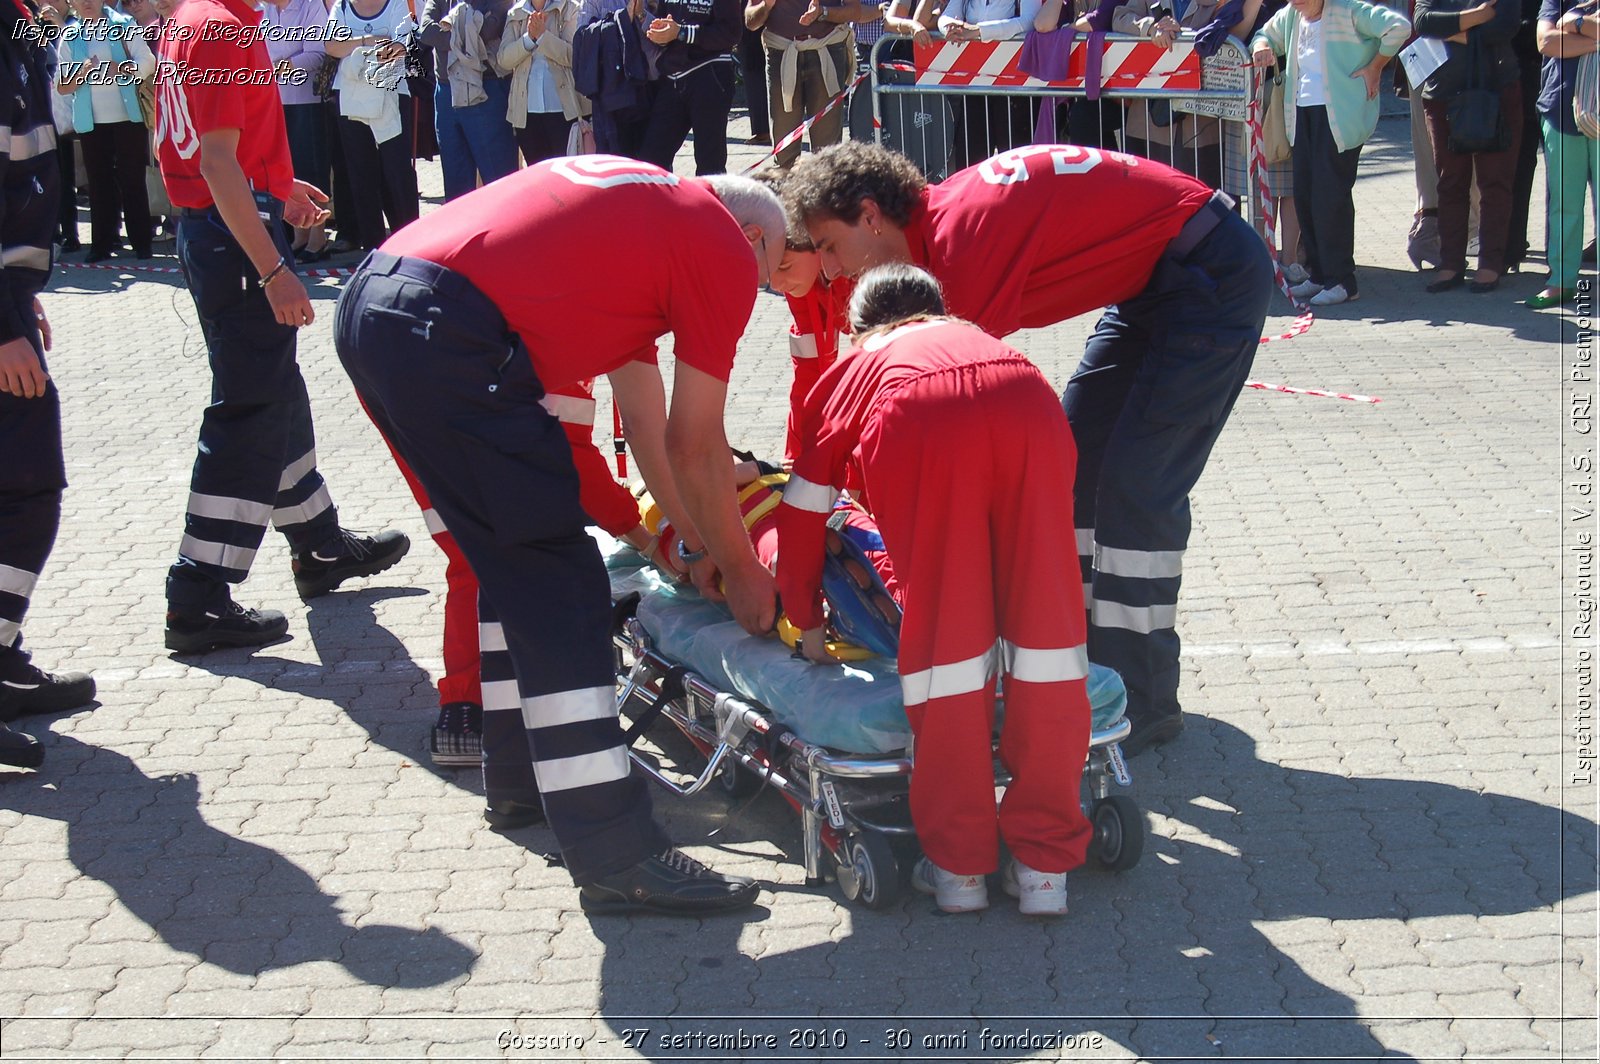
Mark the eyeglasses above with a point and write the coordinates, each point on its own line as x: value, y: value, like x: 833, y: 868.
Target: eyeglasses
x: 766, y: 264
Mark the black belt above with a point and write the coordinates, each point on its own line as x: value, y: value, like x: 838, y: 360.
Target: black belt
x: 473, y: 313
x: 268, y: 209
x: 1200, y: 224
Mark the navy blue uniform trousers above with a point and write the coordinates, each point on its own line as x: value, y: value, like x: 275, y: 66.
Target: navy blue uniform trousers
x: 1158, y: 379
x: 454, y: 391
x: 257, y: 459
x: 32, y: 478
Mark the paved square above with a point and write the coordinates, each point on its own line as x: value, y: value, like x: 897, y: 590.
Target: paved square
x: 1368, y: 842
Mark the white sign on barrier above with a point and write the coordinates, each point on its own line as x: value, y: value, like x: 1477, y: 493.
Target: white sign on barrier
x: 1228, y: 72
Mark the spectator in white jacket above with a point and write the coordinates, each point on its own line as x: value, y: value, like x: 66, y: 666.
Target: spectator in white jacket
x: 537, y: 51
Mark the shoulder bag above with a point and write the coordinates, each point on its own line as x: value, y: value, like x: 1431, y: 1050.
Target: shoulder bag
x: 1475, y: 119
x: 1586, y: 96
x: 328, y: 69
x: 1274, y: 134
x: 146, y: 88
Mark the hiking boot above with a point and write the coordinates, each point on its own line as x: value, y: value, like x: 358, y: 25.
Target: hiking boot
x: 458, y: 737
x: 318, y: 572
x: 952, y: 893
x: 1037, y: 893
x: 19, y: 749
x: 230, y: 626
x: 671, y: 882
x: 26, y: 689
x: 511, y: 815
x: 1154, y: 733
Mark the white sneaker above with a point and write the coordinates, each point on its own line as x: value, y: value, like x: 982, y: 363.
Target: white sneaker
x: 1295, y: 273
x: 1331, y: 296
x: 1037, y: 893
x: 952, y: 893
x: 1305, y: 289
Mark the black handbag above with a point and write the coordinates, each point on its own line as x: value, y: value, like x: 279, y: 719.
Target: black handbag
x: 1477, y: 123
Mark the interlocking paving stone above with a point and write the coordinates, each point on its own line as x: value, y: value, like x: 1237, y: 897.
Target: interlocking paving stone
x: 1358, y: 846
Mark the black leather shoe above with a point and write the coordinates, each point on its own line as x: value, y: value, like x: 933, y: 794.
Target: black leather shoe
x: 509, y: 816
x: 26, y: 689
x: 19, y: 749
x: 317, y: 573
x: 671, y: 882
x: 230, y: 626
x: 1144, y: 736
x: 1444, y: 286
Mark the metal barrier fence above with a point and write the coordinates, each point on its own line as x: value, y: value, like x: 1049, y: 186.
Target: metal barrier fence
x: 950, y: 104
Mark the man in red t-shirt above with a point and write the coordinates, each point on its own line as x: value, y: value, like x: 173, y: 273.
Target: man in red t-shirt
x: 1040, y: 234
x: 453, y: 335
x: 225, y: 159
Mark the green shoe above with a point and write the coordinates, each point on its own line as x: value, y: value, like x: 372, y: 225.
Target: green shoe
x: 1544, y: 302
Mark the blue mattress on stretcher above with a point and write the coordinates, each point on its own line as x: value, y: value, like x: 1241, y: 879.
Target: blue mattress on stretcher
x: 854, y: 708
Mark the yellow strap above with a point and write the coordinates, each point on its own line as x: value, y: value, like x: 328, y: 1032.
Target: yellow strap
x: 839, y: 651
x: 767, y: 505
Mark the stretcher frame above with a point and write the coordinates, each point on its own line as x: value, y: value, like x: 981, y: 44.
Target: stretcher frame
x: 854, y: 808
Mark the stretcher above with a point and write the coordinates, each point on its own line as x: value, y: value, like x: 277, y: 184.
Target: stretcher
x: 831, y: 740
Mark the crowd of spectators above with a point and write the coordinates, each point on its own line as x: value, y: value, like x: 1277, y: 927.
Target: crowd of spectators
x: 490, y: 85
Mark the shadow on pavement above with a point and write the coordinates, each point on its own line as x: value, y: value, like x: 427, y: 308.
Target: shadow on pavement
x: 364, y: 669
x: 1166, y: 959
x: 233, y: 903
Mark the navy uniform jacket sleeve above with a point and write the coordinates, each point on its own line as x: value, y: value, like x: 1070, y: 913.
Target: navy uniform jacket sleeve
x: 29, y: 183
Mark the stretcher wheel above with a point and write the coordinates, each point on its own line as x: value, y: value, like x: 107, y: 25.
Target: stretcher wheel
x: 1118, y: 840
x: 869, y: 875
x: 735, y: 781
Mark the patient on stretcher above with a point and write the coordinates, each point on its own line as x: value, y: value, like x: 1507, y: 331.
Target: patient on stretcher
x: 858, y: 579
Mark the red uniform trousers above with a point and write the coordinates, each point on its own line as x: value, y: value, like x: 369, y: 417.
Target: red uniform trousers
x: 606, y: 501
x: 462, y: 679
x: 969, y: 472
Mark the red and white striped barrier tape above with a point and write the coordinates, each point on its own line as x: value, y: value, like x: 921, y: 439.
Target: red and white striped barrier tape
x: 1258, y: 167
x: 120, y: 267
x: 794, y: 135
x: 139, y: 267
x: 1296, y: 328
x: 1317, y: 392
x: 1124, y: 64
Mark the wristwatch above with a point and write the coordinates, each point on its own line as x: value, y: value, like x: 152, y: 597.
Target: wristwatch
x: 689, y: 557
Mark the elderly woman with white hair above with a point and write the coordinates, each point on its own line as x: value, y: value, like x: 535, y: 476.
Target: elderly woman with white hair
x: 1336, y: 51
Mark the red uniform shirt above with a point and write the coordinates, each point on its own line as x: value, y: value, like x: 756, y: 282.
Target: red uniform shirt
x: 214, y: 73
x: 820, y: 316
x: 592, y: 258
x: 1044, y: 233
x: 836, y: 413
